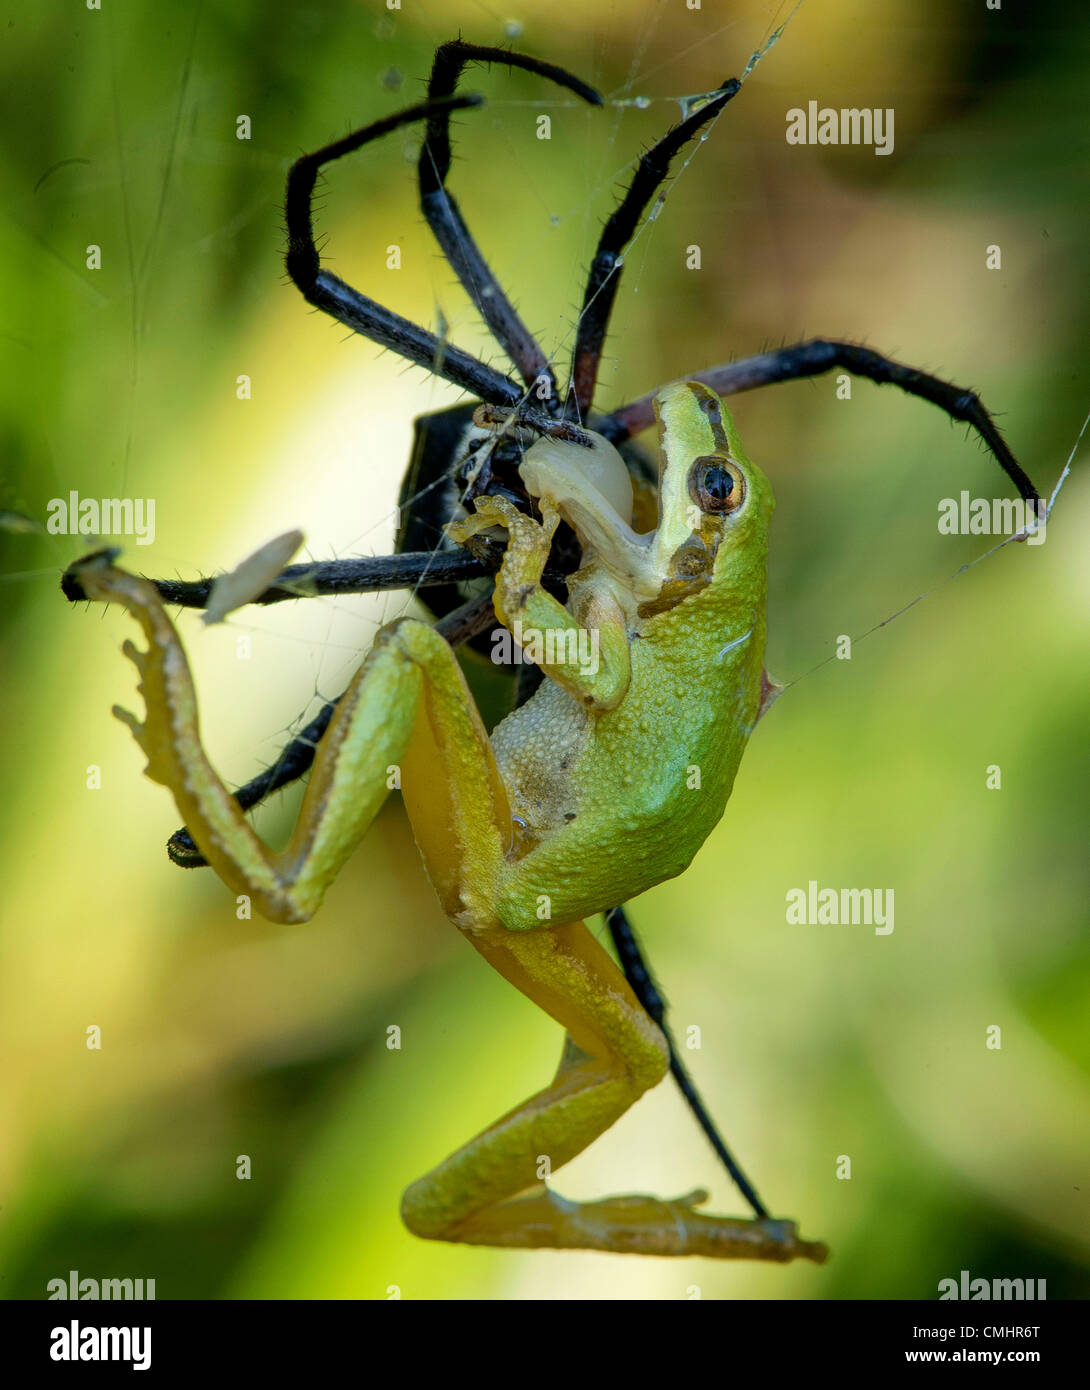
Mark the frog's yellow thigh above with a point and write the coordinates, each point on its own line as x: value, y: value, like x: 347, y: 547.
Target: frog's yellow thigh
x: 489, y: 1193
x: 453, y: 791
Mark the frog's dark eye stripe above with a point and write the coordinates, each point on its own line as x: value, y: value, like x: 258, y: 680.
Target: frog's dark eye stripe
x: 716, y: 484
x: 712, y: 407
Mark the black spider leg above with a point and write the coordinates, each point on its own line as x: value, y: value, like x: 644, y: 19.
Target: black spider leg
x: 605, y: 270
x: 823, y: 355
x: 333, y: 296
x: 296, y: 757
x: 643, y: 987
x: 363, y: 574
x: 444, y: 216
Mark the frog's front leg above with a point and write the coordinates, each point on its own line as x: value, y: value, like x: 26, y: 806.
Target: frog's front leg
x: 531, y: 612
x: 490, y: 1191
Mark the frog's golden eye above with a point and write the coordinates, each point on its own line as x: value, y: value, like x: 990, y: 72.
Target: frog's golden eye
x: 716, y: 484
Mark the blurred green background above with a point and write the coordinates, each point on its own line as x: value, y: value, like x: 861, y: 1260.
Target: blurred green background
x: 223, y: 1038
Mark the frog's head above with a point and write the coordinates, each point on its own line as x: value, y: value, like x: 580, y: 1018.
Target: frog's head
x: 714, y: 504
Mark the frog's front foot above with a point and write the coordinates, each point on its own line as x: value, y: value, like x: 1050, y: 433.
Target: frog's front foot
x: 525, y: 554
x: 501, y: 511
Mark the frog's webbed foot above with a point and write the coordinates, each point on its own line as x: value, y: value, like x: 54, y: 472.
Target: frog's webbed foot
x: 637, y: 1225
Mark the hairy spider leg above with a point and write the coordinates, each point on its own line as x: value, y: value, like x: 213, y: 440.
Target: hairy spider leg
x: 444, y: 216
x: 360, y: 574
x: 333, y: 296
x: 823, y: 355
x: 408, y: 706
x: 605, y: 271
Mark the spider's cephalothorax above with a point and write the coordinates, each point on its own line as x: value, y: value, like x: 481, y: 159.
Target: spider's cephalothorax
x: 649, y: 568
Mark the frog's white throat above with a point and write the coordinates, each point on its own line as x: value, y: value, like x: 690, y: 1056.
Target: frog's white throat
x: 592, y: 491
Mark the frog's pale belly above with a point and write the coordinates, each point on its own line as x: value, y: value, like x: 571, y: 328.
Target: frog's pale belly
x: 607, y: 805
x: 541, y: 749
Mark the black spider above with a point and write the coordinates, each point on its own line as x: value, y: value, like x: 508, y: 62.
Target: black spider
x: 455, y: 457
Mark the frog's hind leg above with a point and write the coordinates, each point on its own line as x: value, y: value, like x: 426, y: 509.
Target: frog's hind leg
x: 489, y: 1192
x: 407, y: 711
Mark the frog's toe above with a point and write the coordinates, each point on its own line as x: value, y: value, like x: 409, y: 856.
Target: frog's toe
x: 490, y: 511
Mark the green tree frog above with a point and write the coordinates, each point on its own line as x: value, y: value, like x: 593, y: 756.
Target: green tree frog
x: 605, y: 782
